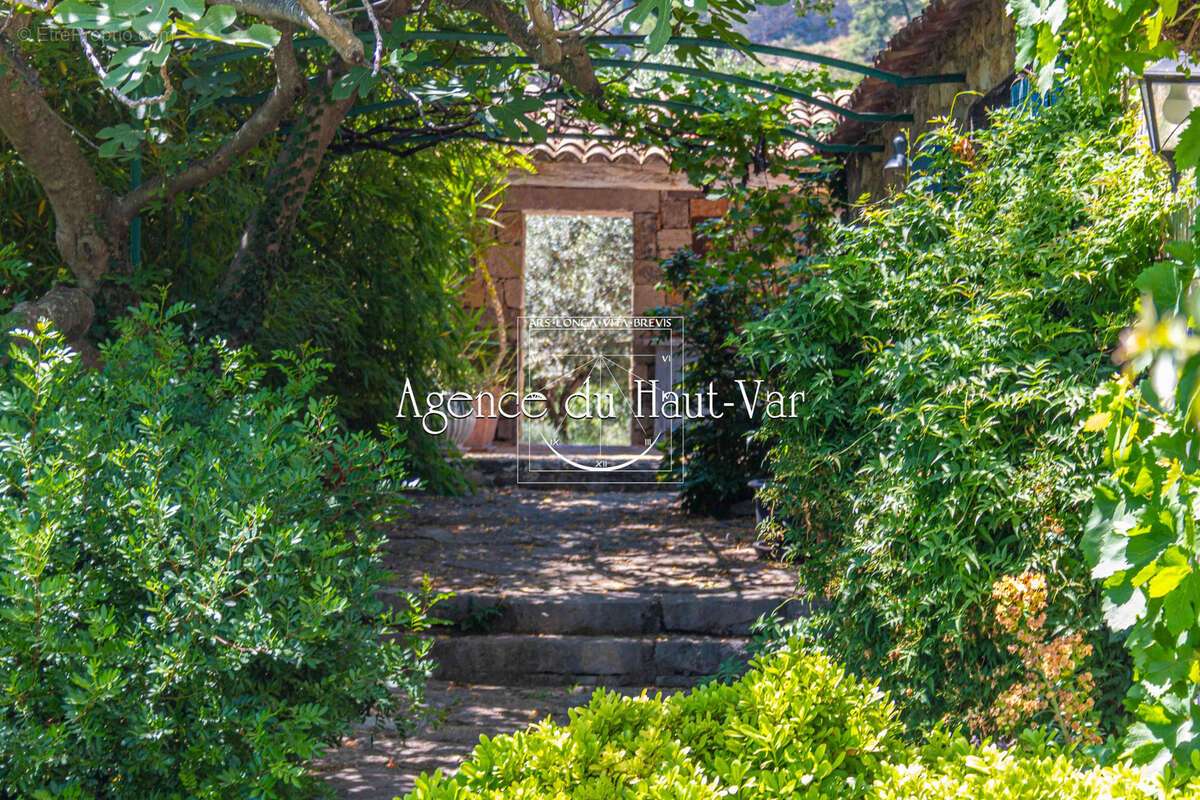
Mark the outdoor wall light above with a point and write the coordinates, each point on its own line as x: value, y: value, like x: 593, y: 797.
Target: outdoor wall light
x: 899, y: 159
x: 1170, y: 90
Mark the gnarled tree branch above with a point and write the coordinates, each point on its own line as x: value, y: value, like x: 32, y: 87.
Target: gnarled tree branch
x: 573, y: 64
x: 282, y: 11
x: 289, y: 85
x: 543, y: 28
x: 339, y: 36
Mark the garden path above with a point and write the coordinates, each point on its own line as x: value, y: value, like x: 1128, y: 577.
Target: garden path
x: 558, y: 592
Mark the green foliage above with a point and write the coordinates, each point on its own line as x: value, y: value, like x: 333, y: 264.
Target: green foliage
x: 1141, y: 544
x: 945, y: 346
x: 376, y: 282
x: 373, y: 280
x: 1099, y: 43
x: 1141, y: 537
x: 14, y: 277
x: 190, y: 567
x: 796, y: 726
x: 736, y: 280
x: 1091, y: 40
x: 950, y: 766
x: 138, y: 50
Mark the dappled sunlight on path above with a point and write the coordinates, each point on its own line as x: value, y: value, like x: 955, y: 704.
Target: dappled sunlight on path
x: 555, y: 543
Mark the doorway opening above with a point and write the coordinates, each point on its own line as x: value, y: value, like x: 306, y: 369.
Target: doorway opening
x: 579, y: 268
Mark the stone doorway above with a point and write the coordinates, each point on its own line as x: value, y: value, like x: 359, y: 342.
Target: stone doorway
x: 579, y: 266
x: 591, y: 178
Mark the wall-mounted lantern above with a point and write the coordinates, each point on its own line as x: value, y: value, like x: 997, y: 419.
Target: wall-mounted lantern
x: 1170, y: 90
x: 899, y: 159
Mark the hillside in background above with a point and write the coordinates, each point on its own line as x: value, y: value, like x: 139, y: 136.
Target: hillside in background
x: 854, y: 30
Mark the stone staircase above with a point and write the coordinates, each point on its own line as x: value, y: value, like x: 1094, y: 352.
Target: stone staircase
x: 536, y: 468
x: 557, y: 592
x: 629, y: 639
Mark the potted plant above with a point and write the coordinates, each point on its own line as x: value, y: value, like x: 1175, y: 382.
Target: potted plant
x: 460, y: 417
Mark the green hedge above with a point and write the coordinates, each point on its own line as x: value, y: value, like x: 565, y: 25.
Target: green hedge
x: 944, y: 347
x: 189, y: 568
x: 795, y: 726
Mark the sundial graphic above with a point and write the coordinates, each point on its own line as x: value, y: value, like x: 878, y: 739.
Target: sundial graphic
x: 624, y: 444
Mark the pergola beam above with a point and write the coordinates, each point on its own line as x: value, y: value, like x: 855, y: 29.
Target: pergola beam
x: 631, y: 40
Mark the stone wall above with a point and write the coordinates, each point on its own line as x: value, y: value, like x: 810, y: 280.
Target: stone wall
x: 982, y: 47
x: 664, y: 221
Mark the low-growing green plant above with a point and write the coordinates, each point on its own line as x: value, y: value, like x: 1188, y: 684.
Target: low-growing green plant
x: 796, y: 726
x: 945, y: 345
x: 188, y: 570
x: 951, y: 766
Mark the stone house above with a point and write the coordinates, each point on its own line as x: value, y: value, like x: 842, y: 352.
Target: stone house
x: 578, y: 176
x: 973, y: 38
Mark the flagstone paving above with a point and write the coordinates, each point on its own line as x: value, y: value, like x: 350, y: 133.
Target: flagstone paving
x: 514, y: 541
x: 558, y: 592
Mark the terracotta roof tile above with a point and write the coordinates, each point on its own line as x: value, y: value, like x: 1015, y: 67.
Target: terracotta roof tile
x: 577, y: 147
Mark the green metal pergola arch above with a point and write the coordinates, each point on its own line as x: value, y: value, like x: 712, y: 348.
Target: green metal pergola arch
x: 629, y: 40
x: 632, y: 40
x: 618, y: 40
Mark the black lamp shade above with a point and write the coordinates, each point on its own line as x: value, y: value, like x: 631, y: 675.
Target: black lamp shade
x: 1170, y: 91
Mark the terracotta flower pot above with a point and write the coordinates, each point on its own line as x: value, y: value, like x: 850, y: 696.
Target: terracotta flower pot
x: 484, y: 431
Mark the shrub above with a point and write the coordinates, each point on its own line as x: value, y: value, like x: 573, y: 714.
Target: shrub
x: 946, y: 345
x: 1054, y: 679
x: 189, y: 570
x: 736, y: 279
x: 388, y: 307
x: 795, y: 726
x: 950, y: 766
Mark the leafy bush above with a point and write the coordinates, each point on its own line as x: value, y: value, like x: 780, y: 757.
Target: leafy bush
x: 1141, y: 537
x: 736, y: 279
x: 388, y: 306
x: 946, y: 345
x: 950, y: 766
x: 189, y: 571
x: 795, y: 726
x: 373, y: 279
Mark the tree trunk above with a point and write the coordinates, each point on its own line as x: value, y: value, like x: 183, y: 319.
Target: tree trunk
x: 91, y: 238
x: 92, y: 224
x: 241, y: 301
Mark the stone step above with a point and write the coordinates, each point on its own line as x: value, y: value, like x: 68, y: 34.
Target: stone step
x: 709, y: 614
x: 548, y: 472
x: 555, y: 660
